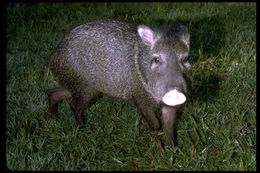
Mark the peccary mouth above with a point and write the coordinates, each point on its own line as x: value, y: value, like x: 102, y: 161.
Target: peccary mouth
x: 174, y: 98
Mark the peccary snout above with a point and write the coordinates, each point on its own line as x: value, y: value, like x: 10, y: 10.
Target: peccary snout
x: 147, y: 65
x: 174, y: 98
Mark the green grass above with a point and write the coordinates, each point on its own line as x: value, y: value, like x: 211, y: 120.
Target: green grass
x: 216, y: 132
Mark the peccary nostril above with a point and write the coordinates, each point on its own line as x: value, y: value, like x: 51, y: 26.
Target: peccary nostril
x: 174, y: 98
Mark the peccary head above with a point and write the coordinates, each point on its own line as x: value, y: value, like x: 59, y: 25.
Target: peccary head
x: 164, y: 73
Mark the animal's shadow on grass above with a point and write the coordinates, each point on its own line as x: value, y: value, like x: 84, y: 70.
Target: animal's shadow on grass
x: 207, y: 38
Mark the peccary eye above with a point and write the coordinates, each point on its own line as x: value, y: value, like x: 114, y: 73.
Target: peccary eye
x: 185, y: 63
x: 157, y: 59
x: 185, y: 59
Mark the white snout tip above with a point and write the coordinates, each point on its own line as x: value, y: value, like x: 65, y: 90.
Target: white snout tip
x: 174, y: 98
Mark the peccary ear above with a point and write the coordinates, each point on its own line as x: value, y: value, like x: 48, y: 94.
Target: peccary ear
x: 147, y: 35
x: 185, y: 35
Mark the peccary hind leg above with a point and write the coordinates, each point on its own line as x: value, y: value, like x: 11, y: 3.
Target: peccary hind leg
x: 79, y: 103
x: 55, y: 95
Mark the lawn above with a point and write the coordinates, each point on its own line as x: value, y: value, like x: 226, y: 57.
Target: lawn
x: 217, y: 130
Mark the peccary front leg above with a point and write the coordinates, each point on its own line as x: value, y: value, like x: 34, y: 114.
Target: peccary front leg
x: 148, y: 113
x: 169, y: 115
x: 79, y: 103
x: 55, y: 95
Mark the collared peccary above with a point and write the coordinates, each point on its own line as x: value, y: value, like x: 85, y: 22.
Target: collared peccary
x: 146, y: 65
